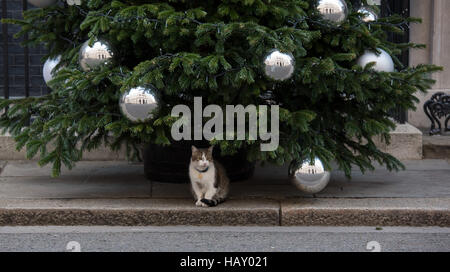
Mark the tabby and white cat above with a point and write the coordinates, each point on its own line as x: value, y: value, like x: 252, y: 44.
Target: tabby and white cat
x: 210, y: 184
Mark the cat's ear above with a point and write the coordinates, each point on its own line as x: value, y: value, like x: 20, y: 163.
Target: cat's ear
x: 210, y: 150
x: 194, y: 149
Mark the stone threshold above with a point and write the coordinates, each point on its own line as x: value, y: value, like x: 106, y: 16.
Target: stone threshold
x: 406, y: 144
x: 8, y: 151
x: 436, y: 147
x: 417, y: 212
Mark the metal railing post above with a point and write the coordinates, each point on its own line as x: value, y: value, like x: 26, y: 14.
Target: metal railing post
x: 5, y: 51
x: 26, y: 57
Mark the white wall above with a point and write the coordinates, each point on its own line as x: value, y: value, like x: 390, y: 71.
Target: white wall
x: 435, y: 33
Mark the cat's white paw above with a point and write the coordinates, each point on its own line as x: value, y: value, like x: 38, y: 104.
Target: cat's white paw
x: 200, y: 204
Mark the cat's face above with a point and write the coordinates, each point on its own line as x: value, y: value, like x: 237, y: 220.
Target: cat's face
x: 201, y: 158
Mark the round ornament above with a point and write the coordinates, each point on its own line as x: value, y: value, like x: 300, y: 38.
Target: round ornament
x: 49, y: 71
x: 369, y: 15
x: 74, y: 2
x: 138, y: 103
x: 42, y: 3
x: 335, y: 11
x: 384, y: 62
x: 100, y: 53
x: 279, y: 66
x: 310, y: 177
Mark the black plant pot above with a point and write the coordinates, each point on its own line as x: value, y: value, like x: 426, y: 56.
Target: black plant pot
x: 171, y: 163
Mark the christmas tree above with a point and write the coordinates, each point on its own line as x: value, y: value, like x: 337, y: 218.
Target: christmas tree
x: 330, y: 107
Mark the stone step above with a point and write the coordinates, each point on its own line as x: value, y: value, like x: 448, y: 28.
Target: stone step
x: 436, y: 147
x: 262, y: 212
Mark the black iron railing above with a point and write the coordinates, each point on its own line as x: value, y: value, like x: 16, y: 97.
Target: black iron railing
x: 5, y: 51
x: 21, y: 67
x: 398, y: 7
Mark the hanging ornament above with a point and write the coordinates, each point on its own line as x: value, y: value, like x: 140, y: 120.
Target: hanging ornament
x: 384, y: 62
x: 310, y: 177
x: 369, y: 15
x: 138, y: 103
x: 100, y: 53
x: 74, y: 2
x: 279, y: 66
x: 49, y: 66
x: 335, y: 11
x: 42, y: 3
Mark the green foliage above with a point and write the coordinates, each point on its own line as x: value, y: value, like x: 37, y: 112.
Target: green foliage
x: 214, y: 49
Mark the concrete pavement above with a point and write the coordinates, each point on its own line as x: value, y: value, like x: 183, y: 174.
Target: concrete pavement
x: 116, y: 193
x: 117, y: 179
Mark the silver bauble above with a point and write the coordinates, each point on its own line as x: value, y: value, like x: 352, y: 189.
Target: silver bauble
x: 100, y: 53
x: 279, y: 66
x: 49, y: 68
x: 335, y: 11
x: 42, y: 3
x: 311, y: 177
x: 384, y: 62
x: 73, y: 2
x: 369, y: 14
x: 138, y: 103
